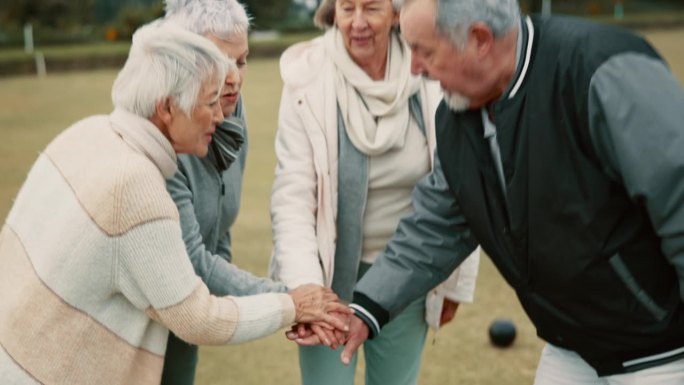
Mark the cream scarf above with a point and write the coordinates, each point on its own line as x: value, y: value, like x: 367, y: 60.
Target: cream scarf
x: 375, y: 113
x: 141, y: 134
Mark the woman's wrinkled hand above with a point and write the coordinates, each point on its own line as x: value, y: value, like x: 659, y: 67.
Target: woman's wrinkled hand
x: 314, y: 303
x: 315, y: 334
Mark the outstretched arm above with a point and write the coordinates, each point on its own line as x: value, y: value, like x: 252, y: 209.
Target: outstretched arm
x: 221, y: 277
x: 154, y: 274
x: 427, y: 246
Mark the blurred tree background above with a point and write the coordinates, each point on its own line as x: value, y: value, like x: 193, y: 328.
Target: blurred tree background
x: 266, y: 14
x: 77, y: 21
x: 601, y: 7
x: 64, y: 21
x: 74, y: 21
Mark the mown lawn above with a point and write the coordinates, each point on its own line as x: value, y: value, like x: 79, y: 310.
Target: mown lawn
x: 32, y: 111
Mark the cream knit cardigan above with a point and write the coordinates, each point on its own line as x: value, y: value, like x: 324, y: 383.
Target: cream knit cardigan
x: 94, y: 269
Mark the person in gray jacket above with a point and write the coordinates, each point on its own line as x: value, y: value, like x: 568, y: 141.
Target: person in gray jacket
x: 207, y: 190
x: 559, y: 149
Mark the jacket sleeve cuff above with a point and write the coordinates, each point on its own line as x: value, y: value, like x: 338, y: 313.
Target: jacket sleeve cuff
x: 372, y: 314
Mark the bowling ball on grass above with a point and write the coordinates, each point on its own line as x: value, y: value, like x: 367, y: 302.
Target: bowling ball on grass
x: 502, y: 333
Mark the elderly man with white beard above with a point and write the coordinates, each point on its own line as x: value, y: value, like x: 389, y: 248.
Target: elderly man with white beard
x: 559, y: 152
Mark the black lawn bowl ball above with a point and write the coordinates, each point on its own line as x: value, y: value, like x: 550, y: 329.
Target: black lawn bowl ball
x: 502, y: 332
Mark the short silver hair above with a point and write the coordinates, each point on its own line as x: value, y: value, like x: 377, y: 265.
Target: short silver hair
x: 455, y: 17
x: 325, y: 13
x: 224, y: 19
x: 167, y: 61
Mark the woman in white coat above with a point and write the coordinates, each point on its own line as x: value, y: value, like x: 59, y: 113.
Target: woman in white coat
x: 355, y: 133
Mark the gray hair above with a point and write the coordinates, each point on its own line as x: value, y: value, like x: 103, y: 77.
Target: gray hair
x: 325, y: 13
x: 455, y: 17
x: 167, y: 61
x: 221, y: 18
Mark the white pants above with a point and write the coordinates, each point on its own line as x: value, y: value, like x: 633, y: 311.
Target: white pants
x: 564, y: 367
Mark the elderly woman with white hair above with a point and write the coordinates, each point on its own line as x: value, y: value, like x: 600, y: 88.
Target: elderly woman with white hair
x: 94, y: 271
x: 207, y: 189
x: 355, y: 133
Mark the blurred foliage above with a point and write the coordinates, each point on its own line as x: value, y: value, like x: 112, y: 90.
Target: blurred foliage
x: 85, y: 21
x: 601, y: 7
x: 74, y: 21
x: 132, y: 17
x: 267, y: 14
x: 51, y: 13
x: 299, y: 18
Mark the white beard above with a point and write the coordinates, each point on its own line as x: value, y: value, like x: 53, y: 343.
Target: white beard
x: 456, y: 101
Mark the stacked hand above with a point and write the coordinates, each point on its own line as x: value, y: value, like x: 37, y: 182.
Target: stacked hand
x: 320, y: 306
x: 314, y: 334
x: 354, y: 333
x: 318, y: 334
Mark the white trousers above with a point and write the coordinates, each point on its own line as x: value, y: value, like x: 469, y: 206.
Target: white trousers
x: 564, y: 367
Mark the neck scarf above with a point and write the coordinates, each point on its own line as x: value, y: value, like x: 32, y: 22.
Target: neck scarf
x: 145, y: 137
x: 375, y: 113
x: 227, y: 141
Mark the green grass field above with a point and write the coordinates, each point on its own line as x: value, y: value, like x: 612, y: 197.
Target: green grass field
x: 33, y: 111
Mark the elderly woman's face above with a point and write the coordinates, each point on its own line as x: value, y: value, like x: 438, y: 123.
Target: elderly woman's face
x: 237, y: 49
x: 192, y: 134
x: 365, y: 26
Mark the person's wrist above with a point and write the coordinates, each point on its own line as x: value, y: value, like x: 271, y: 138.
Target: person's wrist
x: 372, y: 314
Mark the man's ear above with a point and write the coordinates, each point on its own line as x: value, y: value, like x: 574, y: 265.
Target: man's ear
x: 165, y: 110
x: 482, y: 37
